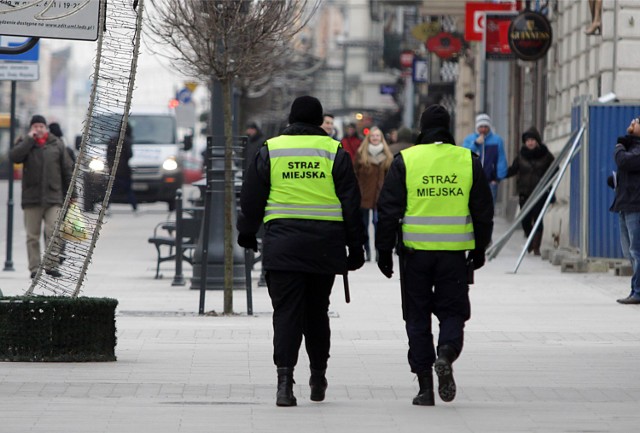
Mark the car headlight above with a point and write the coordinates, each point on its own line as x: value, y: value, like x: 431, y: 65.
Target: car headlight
x: 96, y: 165
x: 170, y: 164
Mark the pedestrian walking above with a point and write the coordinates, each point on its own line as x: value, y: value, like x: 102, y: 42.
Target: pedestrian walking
x: 351, y: 140
x: 328, y: 125
x: 54, y: 128
x: 255, y: 139
x: 627, y: 202
x: 122, y: 183
x: 405, y: 139
x: 437, y: 200
x: 302, y: 186
x: 489, y: 146
x: 371, y: 165
x: 46, y: 176
x: 532, y: 162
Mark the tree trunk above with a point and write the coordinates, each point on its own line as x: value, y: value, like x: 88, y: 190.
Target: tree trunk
x: 229, y: 197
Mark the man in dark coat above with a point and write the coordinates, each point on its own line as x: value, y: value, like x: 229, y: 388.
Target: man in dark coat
x: 122, y: 183
x: 532, y: 162
x: 46, y: 176
x: 437, y: 195
x: 627, y: 202
x: 302, y: 185
x: 255, y: 140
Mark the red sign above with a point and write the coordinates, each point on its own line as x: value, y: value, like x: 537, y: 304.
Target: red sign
x: 444, y: 45
x: 474, y: 17
x: 496, y: 39
x: 406, y: 58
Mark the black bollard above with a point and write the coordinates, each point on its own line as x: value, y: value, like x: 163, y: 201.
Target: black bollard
x: 178, y: 278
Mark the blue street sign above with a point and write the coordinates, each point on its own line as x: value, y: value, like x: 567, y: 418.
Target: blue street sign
x: 184, y: 96
x: 13, y: 41
x: 420, y: 72
x: 388, y: 89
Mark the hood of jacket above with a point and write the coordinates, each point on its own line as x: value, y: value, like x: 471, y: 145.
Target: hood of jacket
x: 532, y: 133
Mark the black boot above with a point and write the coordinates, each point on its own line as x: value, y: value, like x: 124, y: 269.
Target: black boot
x: 425, y: 394
x: 318, y: 383
x: 444, y: 370
x: 536, y: 242
x: 284, y: 396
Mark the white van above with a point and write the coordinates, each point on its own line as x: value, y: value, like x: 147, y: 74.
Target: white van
x: 158, y: 164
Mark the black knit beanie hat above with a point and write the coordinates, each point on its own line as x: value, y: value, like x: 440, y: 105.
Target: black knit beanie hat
x: 37, y: 119
x: 55, y: 129
x: 306, y: 109
x: 435, y: 116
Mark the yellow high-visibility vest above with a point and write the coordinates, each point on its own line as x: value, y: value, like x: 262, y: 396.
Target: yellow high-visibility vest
x: 438, y: 179
x: 301, y: 178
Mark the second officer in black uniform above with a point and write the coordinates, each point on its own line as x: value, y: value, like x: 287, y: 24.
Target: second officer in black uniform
x: 301, y: 184
x: 437, y: 197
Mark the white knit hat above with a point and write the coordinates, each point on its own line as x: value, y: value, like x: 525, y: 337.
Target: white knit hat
x: 483, y: 120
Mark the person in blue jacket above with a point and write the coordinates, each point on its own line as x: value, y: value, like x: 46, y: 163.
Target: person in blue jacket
x: 489, y: 146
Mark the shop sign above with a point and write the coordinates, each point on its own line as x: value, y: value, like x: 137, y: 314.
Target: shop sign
x: 474, y: 16
x: 496, y: 39
x: 530, y: 36
x: 444, y: 45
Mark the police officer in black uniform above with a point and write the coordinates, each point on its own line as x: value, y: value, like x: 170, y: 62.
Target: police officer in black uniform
x: 436, y: 197
x: 301, y: 184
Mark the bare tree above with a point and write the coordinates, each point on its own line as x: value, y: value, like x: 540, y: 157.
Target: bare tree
x: 228, y: 40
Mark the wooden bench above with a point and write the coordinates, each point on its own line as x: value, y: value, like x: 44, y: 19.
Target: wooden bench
x: 165, y: 244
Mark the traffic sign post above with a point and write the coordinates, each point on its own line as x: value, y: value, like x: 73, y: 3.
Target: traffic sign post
x: 15, y: 67
x: 19, y: 67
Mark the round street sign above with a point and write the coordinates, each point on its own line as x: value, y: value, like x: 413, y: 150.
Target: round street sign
x: 406, y: 58
x: 184, y: 96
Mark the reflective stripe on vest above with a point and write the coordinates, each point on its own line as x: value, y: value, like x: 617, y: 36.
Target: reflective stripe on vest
x: 301, y: 178
x: 438, y: 179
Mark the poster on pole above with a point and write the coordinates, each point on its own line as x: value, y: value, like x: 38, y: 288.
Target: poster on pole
x: 54, y: 19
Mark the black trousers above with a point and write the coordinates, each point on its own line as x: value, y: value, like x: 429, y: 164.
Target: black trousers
x: 435, y: 283
x: 300, y: 303
x: 530, y: 219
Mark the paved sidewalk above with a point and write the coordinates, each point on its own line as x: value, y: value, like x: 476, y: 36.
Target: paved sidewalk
x: 545, y: 352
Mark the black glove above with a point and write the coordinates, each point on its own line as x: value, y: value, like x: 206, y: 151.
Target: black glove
x: 248, y: 240
x: 355, y: 259
x: 624, y: 140
x: 385, y: 263
x: 478, y: 258
x: 610, y: 182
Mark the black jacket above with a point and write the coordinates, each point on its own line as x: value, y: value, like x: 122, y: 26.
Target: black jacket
x: 126, y: 153
x: 530, y: 165
x: 627, y: 157
x: 393, y: 203
x: 302, y: 245
x: 253, y: 145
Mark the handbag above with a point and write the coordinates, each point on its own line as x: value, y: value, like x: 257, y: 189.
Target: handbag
x: 74, y: 226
